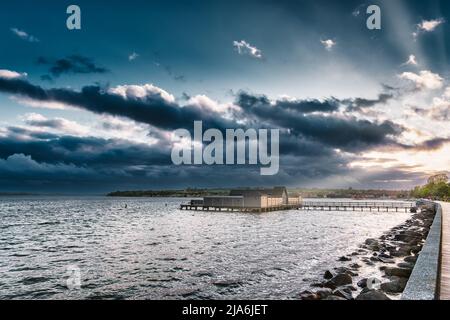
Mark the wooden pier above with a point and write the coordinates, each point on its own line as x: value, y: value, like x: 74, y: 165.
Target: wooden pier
x: 196, y: 205
x: 358, y: 206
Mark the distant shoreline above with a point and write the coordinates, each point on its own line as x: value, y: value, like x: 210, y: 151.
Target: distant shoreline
x: 305, y: 193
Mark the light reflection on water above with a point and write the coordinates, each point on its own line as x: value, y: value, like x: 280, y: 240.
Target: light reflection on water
x: 148, y: 249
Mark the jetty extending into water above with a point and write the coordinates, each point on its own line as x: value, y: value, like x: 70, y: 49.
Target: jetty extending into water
x: 395, y: 206
x: 197, y: 206
x: 277, y: 199
x: 358, y: 206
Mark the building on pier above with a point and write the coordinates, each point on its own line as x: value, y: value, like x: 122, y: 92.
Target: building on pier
x: 251, y: 198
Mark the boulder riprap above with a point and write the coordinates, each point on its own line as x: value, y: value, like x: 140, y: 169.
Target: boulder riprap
x: 328, y: 275
x: 396, y: 285
x: 362, y: 283
x: 355, y: 266
x: 391, y: 257
x: 411, y: 259
x: 372, y: 295
x: 334, y: 298
x: 343, y: 258
x: 343, y: 294
x: 398, y: 272
x: 341, y: 279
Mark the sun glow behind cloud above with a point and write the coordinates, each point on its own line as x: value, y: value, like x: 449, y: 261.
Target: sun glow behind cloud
x: 428, y: 161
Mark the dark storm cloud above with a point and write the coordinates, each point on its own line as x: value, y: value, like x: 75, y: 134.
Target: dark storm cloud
x: 346, y: 132
x: 46, y: 123
x: 81, y: 151
x: 359, y: 103
x: 152, y: 110
x: 74, y: 64
x: 428, y: 145
x: 256, y: 103
x: 311, y: 130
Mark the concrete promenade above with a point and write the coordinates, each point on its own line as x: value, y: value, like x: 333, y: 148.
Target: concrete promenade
x: 445, y: 253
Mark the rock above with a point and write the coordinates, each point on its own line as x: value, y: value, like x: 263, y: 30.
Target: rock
x: 371, y: 242
x: 341, y: 279
x: 343, y: 294
x: 348, y: 288
x: 355, y: 266
x: 343, y: 258
x: 317, y: 285
x: 332, y: 297
x: 328, y: 275
x: 324, y: 293
x: 398, y: 272
x: 372, y: 295
x: 345, y: 270
x: 408, y: 236
x: 406, y: 265
x: 364, y: 290
x: 411, y: 259
x: 308, y: 295
x: 396, y: 285
x: 386, y: 260
x: 401, y: 252
x: 362, y: 283
x: 416, y: 249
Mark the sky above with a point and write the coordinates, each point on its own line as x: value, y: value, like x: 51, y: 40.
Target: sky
x: 94, y: 110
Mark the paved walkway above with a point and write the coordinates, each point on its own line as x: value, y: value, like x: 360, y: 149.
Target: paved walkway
x: 445, y: 263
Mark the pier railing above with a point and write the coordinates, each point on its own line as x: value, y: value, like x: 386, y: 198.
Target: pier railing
x: 359, y: 204
x: 310, y: 205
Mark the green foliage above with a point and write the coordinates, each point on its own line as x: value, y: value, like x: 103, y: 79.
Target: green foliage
x: 438, y: 191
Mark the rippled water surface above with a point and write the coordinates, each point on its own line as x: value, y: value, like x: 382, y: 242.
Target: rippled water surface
x: 148, y: 249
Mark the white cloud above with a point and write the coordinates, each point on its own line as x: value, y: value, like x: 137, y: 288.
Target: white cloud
x: 54, y: 124
x: 424, y: 80
x: 244, y: 48
x: 41, y: 104
x: 440, y: 109
x: 207, y: 103
x: 427, y: 26
x: 111, y: 127
x: 142, y: 92
x: 24, y: 35
x: 430, y: 25
x: 328, y: 44
x: 411, y: 61
x: 133, y: 56
x: 8, y: 74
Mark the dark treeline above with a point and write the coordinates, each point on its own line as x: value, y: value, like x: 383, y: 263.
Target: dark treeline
x: 305, y: 193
